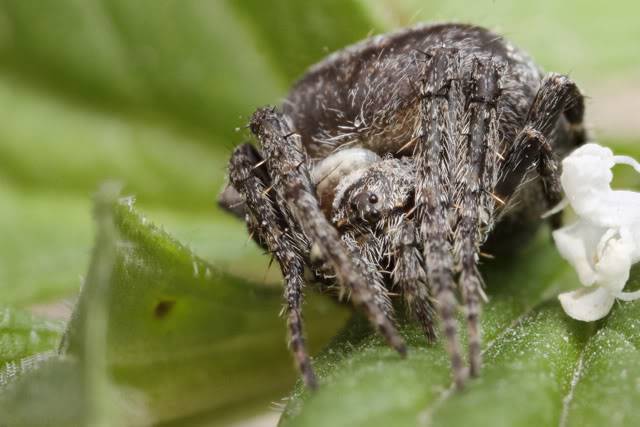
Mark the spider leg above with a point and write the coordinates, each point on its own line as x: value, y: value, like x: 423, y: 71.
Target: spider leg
x: 287, y: 164
x: 476, y: 180
x: 410, y: 277
x: 433, y: 199
x: 574, y: 113
x: 531, y: 147
x: 271, y: 225
x: 364, y: 256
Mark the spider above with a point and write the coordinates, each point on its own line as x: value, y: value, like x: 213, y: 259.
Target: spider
x: 392, y: 162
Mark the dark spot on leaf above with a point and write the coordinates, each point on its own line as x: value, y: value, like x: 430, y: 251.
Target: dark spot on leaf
x: 163, y: 308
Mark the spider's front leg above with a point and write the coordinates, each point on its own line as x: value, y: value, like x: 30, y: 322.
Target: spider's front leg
x: 288, y: 167
x: 273, y: 229
x: 475, y: 188
x: 434, y: 193
x: 409, y: 275
x: 364, y: 255
x: 557, y: 96
x: 456, y: 163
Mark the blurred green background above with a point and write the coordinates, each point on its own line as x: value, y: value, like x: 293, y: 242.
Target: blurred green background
x: 152, y: 92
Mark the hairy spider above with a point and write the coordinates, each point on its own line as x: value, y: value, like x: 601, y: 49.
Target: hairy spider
x: 390, y: 164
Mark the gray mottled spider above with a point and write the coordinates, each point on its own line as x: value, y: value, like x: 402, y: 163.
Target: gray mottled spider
x: 390, y: 165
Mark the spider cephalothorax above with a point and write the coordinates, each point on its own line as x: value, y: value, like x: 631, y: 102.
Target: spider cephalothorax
x: 371, y: 193
x: 392, y: 162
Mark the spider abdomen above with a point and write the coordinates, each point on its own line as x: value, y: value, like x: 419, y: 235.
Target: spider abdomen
x: 368, y: 94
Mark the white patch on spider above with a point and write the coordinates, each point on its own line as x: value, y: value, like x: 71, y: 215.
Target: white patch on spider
x: 329, y: 172
x: 604, y: 242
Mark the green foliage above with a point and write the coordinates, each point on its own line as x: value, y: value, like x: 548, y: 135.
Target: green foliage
x: 22, y: 335
x: 155, y: 320
x: 541, y: 367
x: 150, y: 93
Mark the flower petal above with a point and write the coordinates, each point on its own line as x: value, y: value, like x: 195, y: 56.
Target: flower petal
x: 586, y: 179
x: 628, y: 296
x: 617, y: 208
x: 587, y: 304
x: 605, y: 242
x: 632, y: 236
x: 612, y: 269
x: 586, y: 176
x: 626, y: 160
x: 577, y: 243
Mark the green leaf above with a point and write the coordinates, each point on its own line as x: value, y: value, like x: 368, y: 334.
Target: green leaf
x: 169, y: 59
x: 540, y: 366
x: 44, y: 245
x: 23, y: 335
x: 87, y: 380
x: 73, y: 147
x: 40, y: 392
x: 296, y: 34
x: 528, y: 373
x: 161, y: 321
x: 608, y: 374
x: 46, y: 238
x: 361, y: 371
x: 147, y: 57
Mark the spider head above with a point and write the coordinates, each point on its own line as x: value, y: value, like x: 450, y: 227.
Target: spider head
x: 362, y: 189
x: 330, y: 172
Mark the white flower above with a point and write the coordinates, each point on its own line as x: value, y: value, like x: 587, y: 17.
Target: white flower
x: 605, y: 241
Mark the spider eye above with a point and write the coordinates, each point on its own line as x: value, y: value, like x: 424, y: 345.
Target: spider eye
x: 363, y: 206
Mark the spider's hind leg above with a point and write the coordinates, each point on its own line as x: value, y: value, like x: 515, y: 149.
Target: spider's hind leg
x: 557, y: 96
x: 273, y: 230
